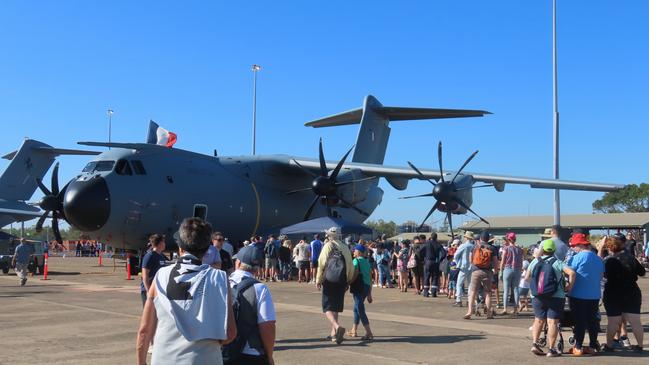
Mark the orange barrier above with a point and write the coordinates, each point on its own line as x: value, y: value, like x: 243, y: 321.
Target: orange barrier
x: 128, y: 267
x: 45, y: 267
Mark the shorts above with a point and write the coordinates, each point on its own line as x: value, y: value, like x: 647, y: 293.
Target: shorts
x: 303, y: 265
x: 523, y: 291
x: 314, y: 264
x: 271, y: 263
x: 618, y: 302
x: 418, y: 270
x: 481, y: 279
x: 451, y: 285
x: 333, y: 297
x: 551, y: 308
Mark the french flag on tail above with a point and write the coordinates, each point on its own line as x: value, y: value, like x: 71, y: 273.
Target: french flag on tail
x: 160, y: 136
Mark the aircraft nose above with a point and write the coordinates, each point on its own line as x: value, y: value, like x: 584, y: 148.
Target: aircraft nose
x: 87, y: 204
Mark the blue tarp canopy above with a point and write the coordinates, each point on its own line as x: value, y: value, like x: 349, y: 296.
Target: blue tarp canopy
x: 322, y: 224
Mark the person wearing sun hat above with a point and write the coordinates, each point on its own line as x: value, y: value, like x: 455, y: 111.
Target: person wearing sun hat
x: 585, y: 294
x: 549, y: 309
x: 561, y: 247
x: 462, y: 258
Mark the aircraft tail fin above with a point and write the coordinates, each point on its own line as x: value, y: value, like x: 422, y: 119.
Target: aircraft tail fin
x: 30, y: 161
x: 374, y: 119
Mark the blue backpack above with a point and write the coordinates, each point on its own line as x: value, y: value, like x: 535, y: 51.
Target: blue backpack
x: 544, y: 279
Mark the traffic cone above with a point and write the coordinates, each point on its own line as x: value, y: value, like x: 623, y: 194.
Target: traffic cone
x: 45, y: 267
x: 128, y: 267
x: 100, y: 259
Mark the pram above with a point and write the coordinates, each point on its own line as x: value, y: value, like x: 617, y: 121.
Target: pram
x: 567, y: 322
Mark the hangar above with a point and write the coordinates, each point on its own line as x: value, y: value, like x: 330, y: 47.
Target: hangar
x: 529, y: 228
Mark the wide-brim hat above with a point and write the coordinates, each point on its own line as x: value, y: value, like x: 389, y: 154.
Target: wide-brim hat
x: 579, y: 239
x: 547, y: 233
x: 469, y: 235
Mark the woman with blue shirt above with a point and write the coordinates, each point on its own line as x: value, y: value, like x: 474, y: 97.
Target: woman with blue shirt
x: 585, y: 294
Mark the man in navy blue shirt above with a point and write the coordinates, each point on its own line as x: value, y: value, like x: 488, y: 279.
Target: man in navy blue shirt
x: 152, y: 262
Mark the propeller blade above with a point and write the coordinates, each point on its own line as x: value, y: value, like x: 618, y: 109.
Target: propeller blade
x: 41, y: 220
x: 355, y: 181
x: 439, y: 159
x: 310, y: 210
x: 459, y: 201
x: 336, y: 171
x: 323, y: 164
x: 429, y: 213
x: 44, y: 190
x: 55, y: 179
x: 464, y: 165
x: 55, y: 227
x: 475, y: 187
x: 450, y: 223
x: 415, y: 196
x: 298, y: 191
x: 420, y: 174
x: 353, y: 206
x: 305, y: 169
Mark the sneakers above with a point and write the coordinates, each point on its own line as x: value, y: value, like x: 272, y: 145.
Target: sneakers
x: 457, y: 304
x: 537, y: 350
x: 576, y: 352
x: 624, y: 340
x: 23, y: 282
x: 636, y: 348
x: 553, y: 353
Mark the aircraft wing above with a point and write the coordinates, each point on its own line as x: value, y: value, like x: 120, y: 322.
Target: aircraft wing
x: 393, y: 174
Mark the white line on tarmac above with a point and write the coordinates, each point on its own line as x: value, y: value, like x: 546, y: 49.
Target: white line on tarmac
x: 391, y: 359
x: 83, y: 307
x: 465, y: 325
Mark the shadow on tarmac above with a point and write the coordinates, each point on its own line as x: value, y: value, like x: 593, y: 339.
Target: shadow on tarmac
x: 316, y: 343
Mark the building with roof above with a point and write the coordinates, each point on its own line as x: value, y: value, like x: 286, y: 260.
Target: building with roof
x: 529, y: 228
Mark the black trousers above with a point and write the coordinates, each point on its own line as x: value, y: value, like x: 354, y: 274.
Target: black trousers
x: 250, y: 360
x: 584, y: 313
x: 431, y: 276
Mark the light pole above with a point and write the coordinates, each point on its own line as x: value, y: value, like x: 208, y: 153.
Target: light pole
x: 110, y: 123
x: 255, y: 68
x: 555, y: 113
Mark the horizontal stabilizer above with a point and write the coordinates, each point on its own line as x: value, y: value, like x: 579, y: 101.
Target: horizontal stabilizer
x: 394, y: 113
x: 130, y: 146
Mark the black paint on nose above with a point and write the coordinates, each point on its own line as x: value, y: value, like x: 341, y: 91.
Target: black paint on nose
x: 87, y: 204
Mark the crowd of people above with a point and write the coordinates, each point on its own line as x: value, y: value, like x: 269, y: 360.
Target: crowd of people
x: 563, y: 285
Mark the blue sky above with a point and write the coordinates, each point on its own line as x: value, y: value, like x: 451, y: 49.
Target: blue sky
x: 187, y: 66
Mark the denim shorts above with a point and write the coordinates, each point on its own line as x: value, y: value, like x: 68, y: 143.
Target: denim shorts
x: 551, y: 308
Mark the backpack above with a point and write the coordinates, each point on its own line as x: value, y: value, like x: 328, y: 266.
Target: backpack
x: 544, y: 279
x: 271, y: 250
x: 482, y: 256
x: 336, y: 270
x: 245, y: 315
x: 356, y: 287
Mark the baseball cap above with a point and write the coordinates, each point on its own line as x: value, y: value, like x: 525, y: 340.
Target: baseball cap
x: 548, y: 246
x: 485, y: 236
x: 248, y: 255
x: 359, y: 248
x: 511, y: 236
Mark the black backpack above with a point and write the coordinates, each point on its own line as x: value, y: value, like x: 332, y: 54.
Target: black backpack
x: 245, y: 315
x: 336, y: 270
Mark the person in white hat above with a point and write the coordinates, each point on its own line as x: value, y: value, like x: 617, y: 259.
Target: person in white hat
x: 335, y: 272
x: 462, y: 259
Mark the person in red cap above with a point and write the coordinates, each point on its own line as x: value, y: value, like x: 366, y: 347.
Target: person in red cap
x: 585, y: 294
x: 511, y: 267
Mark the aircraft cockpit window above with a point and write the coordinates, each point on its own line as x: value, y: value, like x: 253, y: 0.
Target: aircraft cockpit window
x: 138, y: 167
x: 123, y: 168
x: 99, y: 166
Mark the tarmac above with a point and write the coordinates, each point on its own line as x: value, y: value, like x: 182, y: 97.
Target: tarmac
x: 86, y: 314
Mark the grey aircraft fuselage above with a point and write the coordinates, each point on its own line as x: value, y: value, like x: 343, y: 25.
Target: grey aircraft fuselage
x: 121, y: 202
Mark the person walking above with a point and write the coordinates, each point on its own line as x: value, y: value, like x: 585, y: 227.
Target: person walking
x: 20, y: 260
x: 484, y: 260
x: 182, y: 296
x: 255, y: 313
x: 361, y: 289
x: 510, y: 271
x: 546, y: 273
x: 622, y: 295
x: 335, y: 272
x: 585, y: 294
x: 462, y: 260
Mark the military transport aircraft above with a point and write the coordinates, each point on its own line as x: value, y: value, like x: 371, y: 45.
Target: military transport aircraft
x: 135, y: 189
x: 18, y: 182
